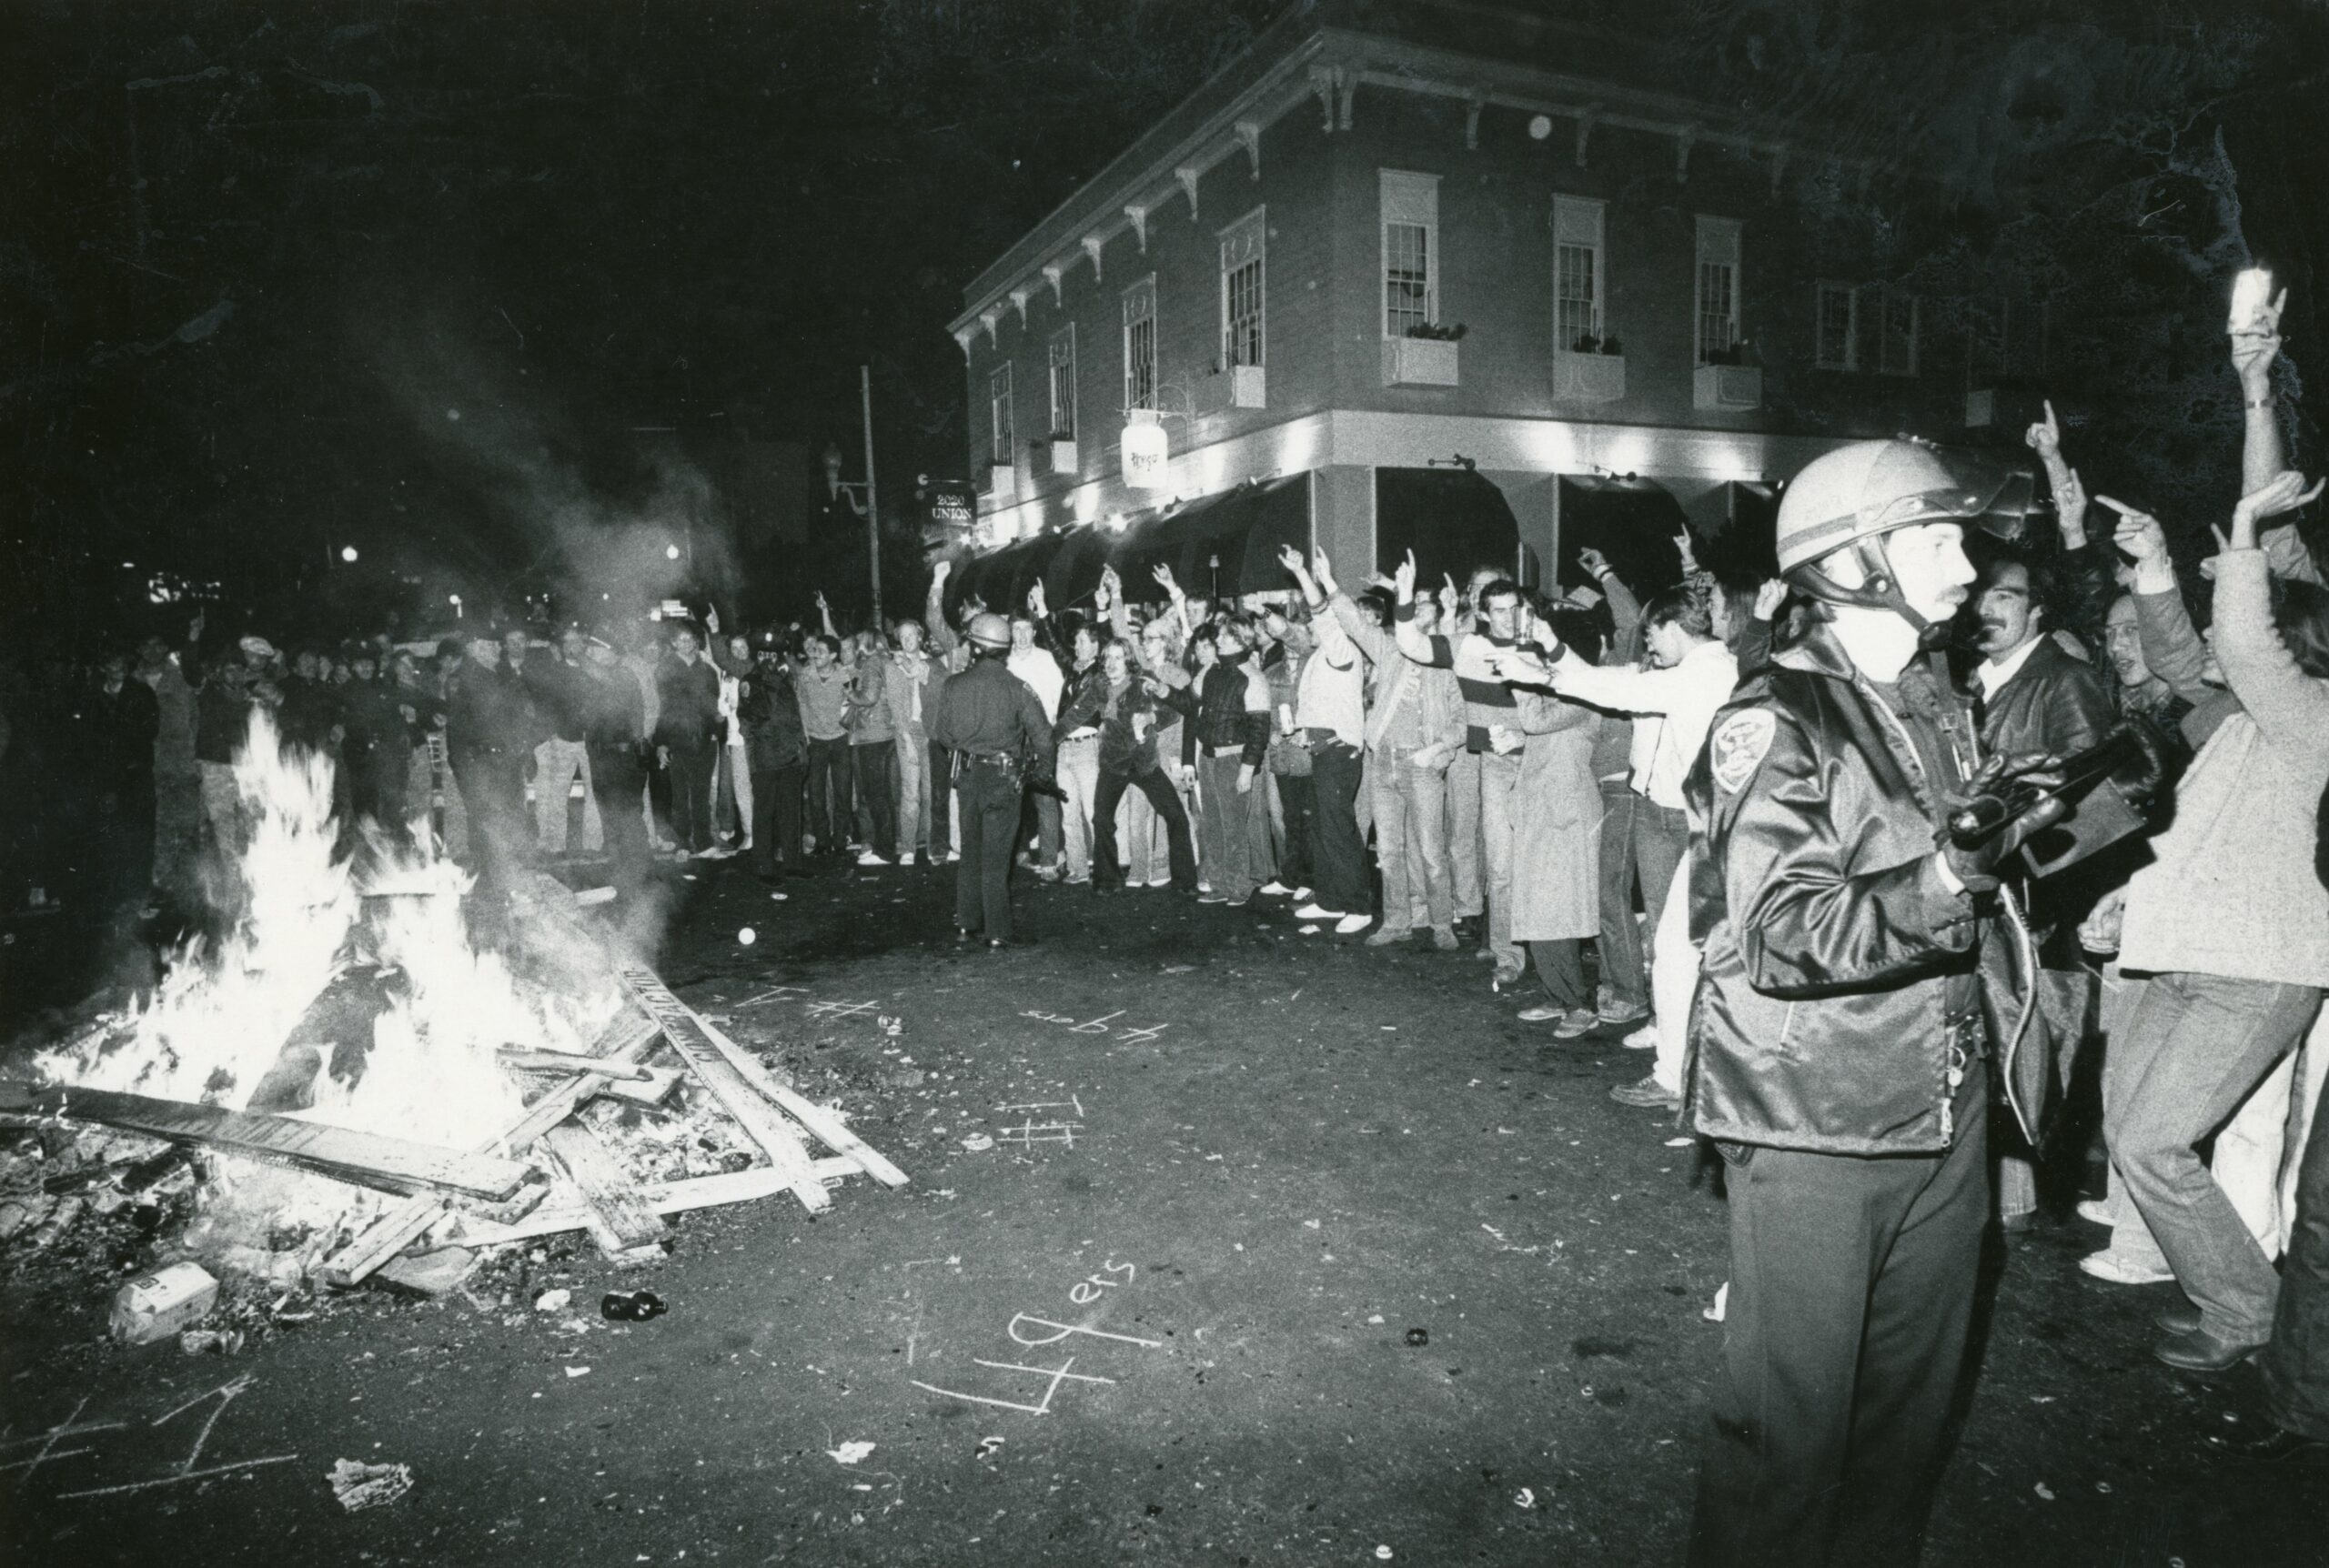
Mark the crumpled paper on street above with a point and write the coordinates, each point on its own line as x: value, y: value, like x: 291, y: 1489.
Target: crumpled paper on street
x: 360, y: 1486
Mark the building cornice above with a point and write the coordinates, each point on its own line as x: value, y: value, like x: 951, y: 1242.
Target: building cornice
x: 1327, y: 66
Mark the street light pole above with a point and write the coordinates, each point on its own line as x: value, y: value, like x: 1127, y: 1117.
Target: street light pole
x: 873, y: 506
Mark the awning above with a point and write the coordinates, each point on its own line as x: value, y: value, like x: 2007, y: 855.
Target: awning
x: 1632, y: 522
x: 1453, y: 519
x: 1742, y: 541
x: 1242, y: 529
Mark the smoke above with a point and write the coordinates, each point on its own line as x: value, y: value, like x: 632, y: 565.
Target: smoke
x: 609, y: 528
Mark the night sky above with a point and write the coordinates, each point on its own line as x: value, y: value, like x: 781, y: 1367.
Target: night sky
x: 483, y: 291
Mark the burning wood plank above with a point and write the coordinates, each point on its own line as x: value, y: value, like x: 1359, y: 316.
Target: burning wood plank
x: 690, y: 1036
x: 625, y: 1041
x: 564, y: 1209
x: 622, y: 1218
x: 569, y: 1061
x: 366, y: 1159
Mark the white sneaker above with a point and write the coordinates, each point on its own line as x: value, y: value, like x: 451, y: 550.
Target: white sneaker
x: 1135, y: 881
x: 1351, y: 925
x: 1274, y: 888
x: 953, y: 856
x: 745, y: 847
x: 2109, y: 1265
x: 906, y: 857
x: 1316, y: 911
x: 1643, y: 1039
x: 2094, y: 1210
x: 1301, y: 893
x: 870, y: 859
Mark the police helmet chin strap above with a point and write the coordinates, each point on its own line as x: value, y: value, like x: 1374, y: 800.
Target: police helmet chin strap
x: 1878, y: 589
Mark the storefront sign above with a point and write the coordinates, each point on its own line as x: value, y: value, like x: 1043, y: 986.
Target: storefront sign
x: 1146, y: 449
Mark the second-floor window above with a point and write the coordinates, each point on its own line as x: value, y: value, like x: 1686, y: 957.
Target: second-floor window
x: 1000, y: 438
x: 1577, y: 273
x: 1140, y: 345
x: 1243, y: 249
x: 1411, y: 257
x: 1836, y: 327
x: 1897, y: 345
x: 1717, y: 330
x: 1063, y: 383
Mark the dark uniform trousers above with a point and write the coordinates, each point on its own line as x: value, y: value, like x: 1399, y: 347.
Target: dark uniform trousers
x: 991, y: 796
x: 1851, y: 1297
x: 617, y: 775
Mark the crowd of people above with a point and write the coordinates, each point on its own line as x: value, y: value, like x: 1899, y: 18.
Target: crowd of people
x: 1710, y: 816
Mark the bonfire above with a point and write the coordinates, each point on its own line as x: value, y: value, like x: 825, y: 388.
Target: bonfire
x: 361, y: 1078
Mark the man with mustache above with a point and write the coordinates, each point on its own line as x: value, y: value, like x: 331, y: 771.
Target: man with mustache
x: 2033, y: 696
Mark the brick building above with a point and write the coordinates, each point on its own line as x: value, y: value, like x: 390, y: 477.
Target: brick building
x: 1428, y: 274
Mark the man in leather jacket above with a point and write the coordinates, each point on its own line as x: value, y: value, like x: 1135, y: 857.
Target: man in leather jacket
x: 1860, y: 967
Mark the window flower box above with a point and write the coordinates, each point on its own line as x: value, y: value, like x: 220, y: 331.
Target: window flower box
x: 1062, y: 454
x: 1589, y: 377
x: 1419, y: 362
x: 1731, y: 387
x: 1003, y: 481
x: 1238, y: 387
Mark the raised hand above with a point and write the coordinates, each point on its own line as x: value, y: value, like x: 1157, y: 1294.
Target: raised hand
x: 712, y: 619
x: 2070, y: 507
x: 2285, y: 491
x: 1322, y: 570
x: 2044, y: 436
x: 1035, y: 605
x: 1596, y: 564
x: 1164, y: 575
x: 941, y: 571
x: 1403, y: 578
x: 2139, y: 534
x: 1683, y: 547
x: 821, y: 607
x: 1770, y: 598
x: 1291, y: 560
x: 2254, y: 346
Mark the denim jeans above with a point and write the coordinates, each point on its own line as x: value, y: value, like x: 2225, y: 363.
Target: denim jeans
x: 2296, y: 1363
x: 877, y: 795
x: 2193, y: 1049
x: 1337, y: 855
x: 1662, y: 837
x: 1622, y: 970
x: 1227, y: 826
x: 1079, y: 776
x: 1499, y: 815
x: 1411, y: 840
x: 1463, y: 849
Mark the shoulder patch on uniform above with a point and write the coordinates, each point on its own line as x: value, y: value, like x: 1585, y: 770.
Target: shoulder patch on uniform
x: 1738, y: 746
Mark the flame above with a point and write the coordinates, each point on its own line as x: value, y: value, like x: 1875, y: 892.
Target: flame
x: 219, y: 1022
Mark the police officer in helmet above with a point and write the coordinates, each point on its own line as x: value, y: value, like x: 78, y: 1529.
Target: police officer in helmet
x: 1865, y: 977
x: 994, y: 724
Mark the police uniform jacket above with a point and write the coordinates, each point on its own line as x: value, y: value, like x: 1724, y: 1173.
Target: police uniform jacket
x: 1847, y: 988
x: 988, y: 712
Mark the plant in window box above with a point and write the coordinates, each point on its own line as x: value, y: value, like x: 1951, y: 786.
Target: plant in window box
x: 1422, y: 356
x: 1728, y: 378
x: 1592, y: 371
x: 1237, y: 386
